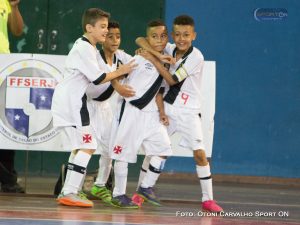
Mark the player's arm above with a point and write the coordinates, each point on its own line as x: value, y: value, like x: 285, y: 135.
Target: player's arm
x: 123, y: 89
x: 160, y: 104
x: 15, y: 20
x: 161, y: 69
x: 122, y: 70
x: 143, y: 43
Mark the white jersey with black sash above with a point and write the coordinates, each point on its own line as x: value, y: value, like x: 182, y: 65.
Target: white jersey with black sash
x: 146, y: 81
x: 186, y: 93
x: 104, y: 91
x: 82, y: 67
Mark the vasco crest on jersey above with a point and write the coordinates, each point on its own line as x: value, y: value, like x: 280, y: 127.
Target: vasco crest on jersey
x: 26, y: 92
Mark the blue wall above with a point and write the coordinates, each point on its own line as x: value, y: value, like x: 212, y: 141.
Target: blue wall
x: 257, y: 121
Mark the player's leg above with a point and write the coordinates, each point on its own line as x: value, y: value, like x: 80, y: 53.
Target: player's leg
x: 99, y: 188
x: 82, y: 138
x: 102, y: 122
x: 158, y: 146
x: 143, y: 170
x: 63, y: 173
x: 125, y: 142
x: 145, y: 190
x: 194, y: 140
x: 120, y: 199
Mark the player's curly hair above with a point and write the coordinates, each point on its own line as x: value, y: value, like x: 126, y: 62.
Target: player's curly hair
x: 184, y: 20
x: 91, y: 16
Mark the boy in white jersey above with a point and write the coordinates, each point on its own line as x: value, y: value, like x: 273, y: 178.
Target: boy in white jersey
x: 181, y: 108
x: 137, y: 125
x: 99, y: 105
x: 69, y: 103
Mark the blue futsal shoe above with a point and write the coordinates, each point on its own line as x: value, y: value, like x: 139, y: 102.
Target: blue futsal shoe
x: 122, y: 201
x: 148, y: 195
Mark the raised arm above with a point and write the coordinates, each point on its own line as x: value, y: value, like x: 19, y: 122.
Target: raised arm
x: 123, y: 69
x: 15, y: 20
x: 161, y: 69
x: 143, y: 43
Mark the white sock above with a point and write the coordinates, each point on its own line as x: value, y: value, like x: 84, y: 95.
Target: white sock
x: 121, y: 172
x: 143, y: 170
x: 103, y: 171
x: 205, y: 182
x: 153, y: 172
x: 77, y: 173
x: 82, y: 182
x: 71, y: 160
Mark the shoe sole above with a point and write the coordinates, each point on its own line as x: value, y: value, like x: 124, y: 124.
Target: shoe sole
x: 124, y: 207
x: 108, y: 202
x: 72, y: 203
x: 148, y: 200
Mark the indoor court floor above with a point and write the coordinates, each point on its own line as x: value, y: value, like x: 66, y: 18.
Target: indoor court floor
x: 247, y: 204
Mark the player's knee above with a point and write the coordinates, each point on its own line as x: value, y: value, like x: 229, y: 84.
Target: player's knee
x: 200, y: 158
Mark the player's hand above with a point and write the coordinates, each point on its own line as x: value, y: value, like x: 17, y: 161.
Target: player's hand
x: 125, y: 90
x: 138, y: 51
x: 164, y: 119
x: 167, y: 59
x: 147, y: 55
x: 14, y: 3
x: 127, y: 68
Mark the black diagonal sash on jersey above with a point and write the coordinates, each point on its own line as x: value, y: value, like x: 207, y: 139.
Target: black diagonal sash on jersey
x: 110, y: 90
x: 149, y: 95
x: 175, y: 89
x: 84, y: 112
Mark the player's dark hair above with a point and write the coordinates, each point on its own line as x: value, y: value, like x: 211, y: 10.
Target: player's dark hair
x: 91, y: 16
x: 156, y: 23
x: 113, y: 24
x: 184, y: 20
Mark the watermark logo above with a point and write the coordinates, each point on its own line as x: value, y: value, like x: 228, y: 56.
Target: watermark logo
x: 270, y: 14
x: 26, y: 90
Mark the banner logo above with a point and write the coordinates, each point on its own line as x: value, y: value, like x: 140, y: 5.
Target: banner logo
x: 267, y: 14
x: 26, y: 90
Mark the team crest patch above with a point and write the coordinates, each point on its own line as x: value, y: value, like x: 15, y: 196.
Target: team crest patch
x: 87, y: 138
x: 26, y: 93
x: 118, y: 149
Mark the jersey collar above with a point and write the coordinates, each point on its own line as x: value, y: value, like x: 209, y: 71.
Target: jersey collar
x: 104, y: 59
x: 185, y: 54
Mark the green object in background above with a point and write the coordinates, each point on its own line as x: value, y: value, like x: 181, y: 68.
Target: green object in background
x: 51, y: 27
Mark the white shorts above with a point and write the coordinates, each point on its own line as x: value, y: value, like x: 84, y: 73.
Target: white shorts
x: 81, y: 137
x: 138, y: 129
x: 101, y: 119
x: 188, y: 124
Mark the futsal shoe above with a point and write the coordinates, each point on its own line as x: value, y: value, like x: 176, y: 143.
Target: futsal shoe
x: 102, y: 193
x: 74, y: 200
x: 148, y: 195
x: 12, y: 188
x: 211, y: 206
x: 122, y: 201
x: 138, y: 200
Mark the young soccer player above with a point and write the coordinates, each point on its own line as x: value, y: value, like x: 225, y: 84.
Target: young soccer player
x: 181, y: 108
x: 137, y: 125
x: 100, y: 111
x: 111, y: 59
x: 69, y: 103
